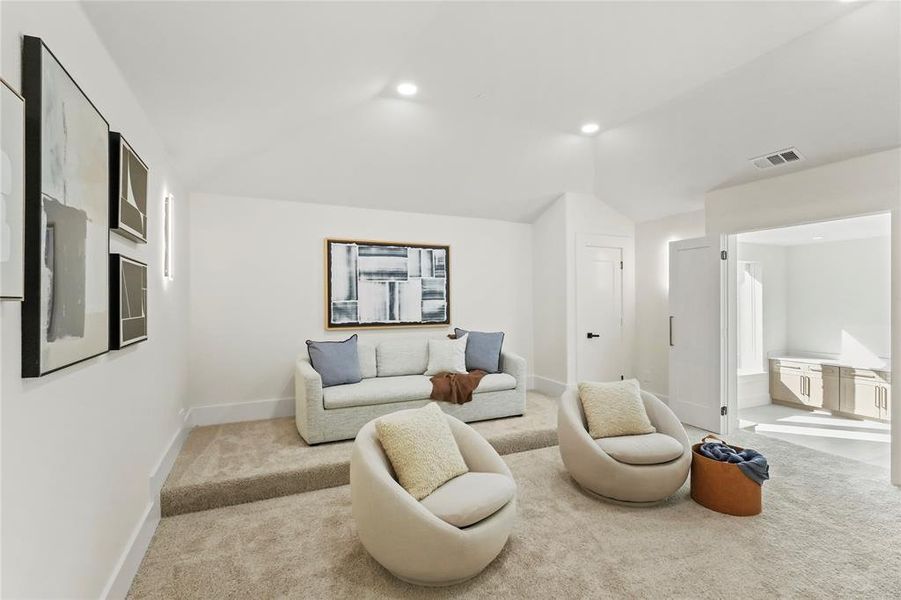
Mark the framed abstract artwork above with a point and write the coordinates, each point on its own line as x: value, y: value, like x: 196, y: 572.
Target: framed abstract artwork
x: 128, y: 190
x: 128, y: 301
x: 386, y: 284
x: 12, y: 193
x: 65, y: 315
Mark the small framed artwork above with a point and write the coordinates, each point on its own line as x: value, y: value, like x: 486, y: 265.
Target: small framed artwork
x: 12, y: 193
x: 386, y: 284
x: 128, y: 301
x: 128, y: 190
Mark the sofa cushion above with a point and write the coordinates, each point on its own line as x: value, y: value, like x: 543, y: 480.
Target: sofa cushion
x: 378, y: 390
x: 336, y: 362
x: 421, y: 447
x: 469, y: 498
x: 496, y: 382
x: 614, y: 408
x: 408, y: 356
x: 367, y: 360
x: 483, y: 349
x: 647, y: 449
x: 447, y: 356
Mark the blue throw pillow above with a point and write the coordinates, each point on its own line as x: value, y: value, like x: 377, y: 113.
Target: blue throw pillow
x: 336, y: 362
x: 483, y: 350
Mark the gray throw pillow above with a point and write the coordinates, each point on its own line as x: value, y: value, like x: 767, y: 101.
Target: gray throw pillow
x: 336, y: 362
x: 483, y: 350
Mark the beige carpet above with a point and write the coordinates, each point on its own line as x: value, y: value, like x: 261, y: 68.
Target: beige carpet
x: 829, y: 530
x: 222, y: 465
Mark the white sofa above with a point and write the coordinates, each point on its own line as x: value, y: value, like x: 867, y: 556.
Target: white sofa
x: 393, y: 380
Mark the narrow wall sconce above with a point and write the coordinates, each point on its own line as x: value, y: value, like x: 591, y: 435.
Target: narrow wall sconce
x: 167, y: 237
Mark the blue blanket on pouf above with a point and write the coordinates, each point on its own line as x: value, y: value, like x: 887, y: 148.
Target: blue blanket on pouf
x: 752, y: 463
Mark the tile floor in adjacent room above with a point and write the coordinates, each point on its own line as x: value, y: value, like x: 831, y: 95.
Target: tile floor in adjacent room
x: 859, y: 439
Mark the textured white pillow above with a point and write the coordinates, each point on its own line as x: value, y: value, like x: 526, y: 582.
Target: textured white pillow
x: 422, y: 449
x: 614, y: 408
x: 447, y: 356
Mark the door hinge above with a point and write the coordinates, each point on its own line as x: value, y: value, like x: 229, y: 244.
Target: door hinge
x: 723, y: 410
x: 723, y: 255
x: 620, y: 265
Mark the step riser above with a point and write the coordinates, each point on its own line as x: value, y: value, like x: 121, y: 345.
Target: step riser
x: 197, y: 498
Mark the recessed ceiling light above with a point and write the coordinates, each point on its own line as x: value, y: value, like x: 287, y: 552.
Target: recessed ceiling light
x: 817, y: 237
x: 407, y: 88
x: 590, y: 128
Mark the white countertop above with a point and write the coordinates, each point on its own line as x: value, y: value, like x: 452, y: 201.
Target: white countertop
x: 881, y: 364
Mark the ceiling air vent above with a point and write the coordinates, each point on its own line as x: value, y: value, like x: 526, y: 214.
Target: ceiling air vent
x: 783, y: 157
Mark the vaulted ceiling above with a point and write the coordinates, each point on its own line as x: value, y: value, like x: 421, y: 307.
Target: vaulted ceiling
x: 296, y: 101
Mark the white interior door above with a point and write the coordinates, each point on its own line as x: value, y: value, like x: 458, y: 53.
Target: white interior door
x: 696, y: 384
x: 600, y: 313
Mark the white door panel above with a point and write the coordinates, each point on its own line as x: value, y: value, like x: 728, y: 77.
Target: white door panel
x: 600, y: 313
x: 696, y: 326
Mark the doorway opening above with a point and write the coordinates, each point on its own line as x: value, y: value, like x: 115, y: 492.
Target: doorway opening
x: 813, y: 335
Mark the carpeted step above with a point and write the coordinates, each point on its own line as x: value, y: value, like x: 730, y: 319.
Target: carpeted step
x: 235, y: 463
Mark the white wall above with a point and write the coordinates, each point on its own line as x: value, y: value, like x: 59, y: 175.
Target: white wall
x: 840, y: 299
x: 257, y: 290
x: 549, y: 252
x: 79, y: 445
x: 652, y: 240
x: 864, y: 185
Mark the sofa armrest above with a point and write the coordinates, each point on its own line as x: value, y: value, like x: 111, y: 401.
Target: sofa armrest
x: 307, y: 398
x: 514, y: 365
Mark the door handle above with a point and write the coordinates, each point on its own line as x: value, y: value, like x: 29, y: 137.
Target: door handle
x: 671, y: 330
x: 590, y: 335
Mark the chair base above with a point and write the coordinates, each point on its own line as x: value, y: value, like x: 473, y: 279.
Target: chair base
x: 434, y: 584
x: 629, y: 503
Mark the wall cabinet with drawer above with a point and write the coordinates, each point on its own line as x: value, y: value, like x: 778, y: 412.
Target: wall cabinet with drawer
x: 861, y: 392
x: 865, y: 393
x: 810, y: 384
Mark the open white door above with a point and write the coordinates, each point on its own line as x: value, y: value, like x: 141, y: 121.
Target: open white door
x: 697, y: 382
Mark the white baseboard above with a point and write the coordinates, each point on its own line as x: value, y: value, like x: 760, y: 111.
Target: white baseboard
x: 130, y: 560
x: 236, y: 412
x: 547, y: 386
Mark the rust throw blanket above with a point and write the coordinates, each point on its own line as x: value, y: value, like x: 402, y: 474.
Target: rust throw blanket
x: 456, y: 387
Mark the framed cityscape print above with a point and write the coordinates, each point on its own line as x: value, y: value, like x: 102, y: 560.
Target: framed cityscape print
x: 65, y: 315
x: 128, y: 301
x: 386, y: 284
x: 12, y: 193
x: 128, y: 190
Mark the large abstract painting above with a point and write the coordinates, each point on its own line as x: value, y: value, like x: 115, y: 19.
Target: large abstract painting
x: 381, y: 284
x: 128, y: 301
x: 128, y: 190
x: 12, y: 192
x: 65, y: 316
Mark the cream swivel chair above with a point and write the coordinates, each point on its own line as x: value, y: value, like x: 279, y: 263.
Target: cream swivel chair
x: 634, y: 469
x: 450, y: 535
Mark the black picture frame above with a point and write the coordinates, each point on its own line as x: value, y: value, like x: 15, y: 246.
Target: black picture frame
x: 120, y: 215
x: 117, y: 339
x: 33, y: 52
x: 330, y: 323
